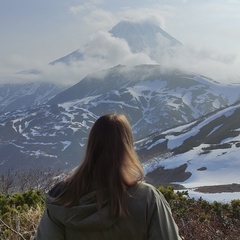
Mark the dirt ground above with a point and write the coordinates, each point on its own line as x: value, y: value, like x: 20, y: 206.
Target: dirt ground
x: 162, y: 176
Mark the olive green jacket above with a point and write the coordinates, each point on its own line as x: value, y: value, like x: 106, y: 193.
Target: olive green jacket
x: 150, y: 219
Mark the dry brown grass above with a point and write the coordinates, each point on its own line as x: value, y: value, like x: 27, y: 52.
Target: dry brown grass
x: 20, y: 225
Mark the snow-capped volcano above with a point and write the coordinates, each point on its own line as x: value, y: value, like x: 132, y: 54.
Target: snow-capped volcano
x: 146, y: 37
x: 142, y: 37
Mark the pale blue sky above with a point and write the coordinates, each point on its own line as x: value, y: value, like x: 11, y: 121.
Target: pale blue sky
x: 36, y: 32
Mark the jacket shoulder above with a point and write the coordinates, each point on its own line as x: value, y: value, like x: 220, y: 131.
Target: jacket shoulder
x: 145, y: 190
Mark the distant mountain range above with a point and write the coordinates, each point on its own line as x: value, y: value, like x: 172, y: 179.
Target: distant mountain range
x: 33, y: 94
x: 54, y: 134
x: 172, y: 113
x: 155, y: 98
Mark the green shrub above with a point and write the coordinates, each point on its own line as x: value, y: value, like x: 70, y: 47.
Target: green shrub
x: 21, y: 201
x: 20, y: 214
x: 235, y: 208
x: 204, y: 217
x: 217, y: 207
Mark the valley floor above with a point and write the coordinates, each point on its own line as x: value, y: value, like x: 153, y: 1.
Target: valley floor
x: 220, y: 193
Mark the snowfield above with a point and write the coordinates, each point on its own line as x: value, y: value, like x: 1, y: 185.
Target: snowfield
x: 225, y: 197
x: 219, y: 170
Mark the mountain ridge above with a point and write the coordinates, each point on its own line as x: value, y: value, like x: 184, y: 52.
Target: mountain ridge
x: 55, y: 134
x: 16, y: 96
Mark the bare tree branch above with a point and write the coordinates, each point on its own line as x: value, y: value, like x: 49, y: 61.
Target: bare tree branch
x: 14, y: 231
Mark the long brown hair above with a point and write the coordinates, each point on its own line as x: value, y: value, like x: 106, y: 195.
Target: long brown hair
x: 109, y: 167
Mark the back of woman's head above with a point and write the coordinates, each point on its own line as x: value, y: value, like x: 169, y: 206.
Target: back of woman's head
x: 110, y: 164
x: 110, y: 151
x: 110, y: 135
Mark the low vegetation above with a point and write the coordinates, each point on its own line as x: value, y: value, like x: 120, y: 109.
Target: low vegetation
x: 20, y: 213
x: 198, y: 219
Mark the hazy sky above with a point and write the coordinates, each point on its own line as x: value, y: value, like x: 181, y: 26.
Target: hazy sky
x: 36, y: 32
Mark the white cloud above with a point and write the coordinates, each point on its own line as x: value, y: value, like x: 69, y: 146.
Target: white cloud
x: 85, y: 7
x: 102, y: 52
x: 219, y: 66
x: 211, y: 40
x: 155, y: 15
x: 78, y: 9
x: 11, y: 65
x: 100, y: 19
x: 114, y: 51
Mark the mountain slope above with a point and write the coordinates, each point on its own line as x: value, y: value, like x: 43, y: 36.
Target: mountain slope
x: 45, y: 137
x: 155, y: 98
x: 71, y: 57
x: 16, y: 96
x: 207, y: 150
x: 54, y: 135
x: 145, y: 37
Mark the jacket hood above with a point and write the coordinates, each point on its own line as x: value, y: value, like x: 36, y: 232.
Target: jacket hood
x: 86, y: 216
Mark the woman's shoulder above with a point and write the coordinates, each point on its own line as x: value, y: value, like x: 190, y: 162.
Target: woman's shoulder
x: 145, y: 190
x: 144, y: 186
